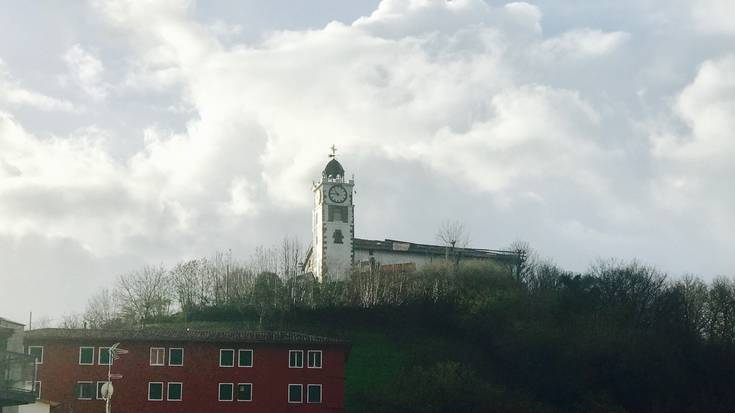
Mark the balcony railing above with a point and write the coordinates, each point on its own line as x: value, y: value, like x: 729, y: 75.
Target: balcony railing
x: 17, y: 378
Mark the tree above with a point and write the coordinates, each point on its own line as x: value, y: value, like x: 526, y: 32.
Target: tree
x: 266, y: 293
x: 721, y: 310
x: 101, y: 310
x: 629, y: 290
x: 144, y: 295
x: 528, y: 260
x: 72, y: 321
x: 694, y: 293
x: 453, y: 234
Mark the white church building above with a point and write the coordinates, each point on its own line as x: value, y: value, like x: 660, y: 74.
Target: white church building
x: 335, y: 252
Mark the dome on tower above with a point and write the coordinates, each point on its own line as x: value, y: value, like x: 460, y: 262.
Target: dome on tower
x: 334, y: 169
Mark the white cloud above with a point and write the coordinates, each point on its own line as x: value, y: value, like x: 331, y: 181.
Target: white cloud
x: 714, y: 16
x: 12, y: 93
x: 586, y: 42
x: 697, y: 167
x: 534, y: 135
x: 87, y: 71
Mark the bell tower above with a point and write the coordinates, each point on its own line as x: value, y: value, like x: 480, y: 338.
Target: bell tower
x: 333, y: 222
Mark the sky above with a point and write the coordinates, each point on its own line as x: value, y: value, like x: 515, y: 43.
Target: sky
x: 141, y: 132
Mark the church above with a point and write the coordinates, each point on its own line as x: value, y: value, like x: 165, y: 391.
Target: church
x: 335, y: 252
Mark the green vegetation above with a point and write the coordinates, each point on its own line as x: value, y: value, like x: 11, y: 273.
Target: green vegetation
x: 621, y: 337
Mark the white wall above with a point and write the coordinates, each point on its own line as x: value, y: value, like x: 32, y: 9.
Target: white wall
x: 390, y: 257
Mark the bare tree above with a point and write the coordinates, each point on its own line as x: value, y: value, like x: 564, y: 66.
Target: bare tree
x: 264, y: 260
x: 100, y: 310
x: 185, y: 278
x: 144, y: 295
x: 290, y: 257
x: 453, y: 234
x: 721, y: 310
x: 529, y: 264
x: 72, y: 321
x: 694, y: 292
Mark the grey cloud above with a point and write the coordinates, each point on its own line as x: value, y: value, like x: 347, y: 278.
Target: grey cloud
x: 565, y: 127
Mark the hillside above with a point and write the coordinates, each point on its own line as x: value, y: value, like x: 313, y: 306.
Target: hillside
x: 620, y: 338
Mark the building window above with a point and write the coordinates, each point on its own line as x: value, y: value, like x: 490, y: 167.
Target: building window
x: 337, y: 236
x: 36, y: 387
x: 37, y: 352
x: 85, y: 390
x: 225, y: 392
x: 315, y: 359
x: 245, y: 392
x: 174, y: 391
x: 314, y: 393
x: 158, y: 356
x: 104, y: 356
x: 295, y: 393
x: 244, y: 358
x: 155, y: 391
x: 226, y: 358
x: 99, y: 390
x: 295, y: 359
x: 176, y: 357
x: 86, y: 355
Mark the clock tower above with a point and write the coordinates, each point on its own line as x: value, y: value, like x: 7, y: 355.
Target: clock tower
x: 333, y: 225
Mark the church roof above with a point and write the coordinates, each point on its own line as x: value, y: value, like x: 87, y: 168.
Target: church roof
x: 334, y: 169
x: 432, y: 250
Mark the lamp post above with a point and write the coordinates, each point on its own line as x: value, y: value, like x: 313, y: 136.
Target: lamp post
x: 107, y: 388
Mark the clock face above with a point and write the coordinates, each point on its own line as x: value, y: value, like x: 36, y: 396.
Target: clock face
x: 337, y: 194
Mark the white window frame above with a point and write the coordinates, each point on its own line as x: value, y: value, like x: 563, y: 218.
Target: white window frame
x: 150, y: 357
x: 302, y: 359
x: 168, y: 391
x: 321, y: 394
x: 308, y: 359
x: 99, y: 356
x: 98, y: 390
x: 149, y: 391
x: 251, y: 393
x: 288, y: 394
x: 232, y: 392
x: 233, y: 356
x: 32, y: 385
x: 41, y: 347
x: 252, y: 359
x: 79, y: 387
x: 80, y: 356
x: 182, y: 357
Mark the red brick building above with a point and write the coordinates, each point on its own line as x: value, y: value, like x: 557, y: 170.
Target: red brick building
x: 190, y: 371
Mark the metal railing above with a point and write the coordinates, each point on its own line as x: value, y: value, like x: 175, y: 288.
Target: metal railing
x: 17, y: 378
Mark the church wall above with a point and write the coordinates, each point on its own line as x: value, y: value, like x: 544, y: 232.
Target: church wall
x: 390, y: 257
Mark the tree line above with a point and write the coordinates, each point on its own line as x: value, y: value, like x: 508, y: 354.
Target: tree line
x: 478, y: 336
x: 271, y: 281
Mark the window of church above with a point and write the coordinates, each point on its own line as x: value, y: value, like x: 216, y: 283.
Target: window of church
x: 338, y: 237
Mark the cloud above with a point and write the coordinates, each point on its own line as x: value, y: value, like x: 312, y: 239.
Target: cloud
x: 12, y: 93
x: 713, y: 16
x: 86, y: 71
x: 586, y: 42
x: 530, y: 129
x: 697, y: 163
